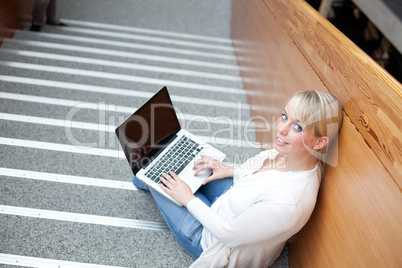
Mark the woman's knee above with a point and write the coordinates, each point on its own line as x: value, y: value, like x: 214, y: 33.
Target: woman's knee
x: 140, y: 184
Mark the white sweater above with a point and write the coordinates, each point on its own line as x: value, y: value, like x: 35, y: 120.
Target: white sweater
x: 249, y: 225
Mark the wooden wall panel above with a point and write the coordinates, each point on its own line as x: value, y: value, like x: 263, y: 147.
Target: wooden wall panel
x: 8, y: 18
x: 372, y: 98
x: 283, y: 46
x: 268, y: 77
x: 358, y: 217
x: 13, y: 15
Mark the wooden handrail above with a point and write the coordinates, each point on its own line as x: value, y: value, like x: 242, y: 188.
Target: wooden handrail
x: 372, y: 98
x: 283, y: 46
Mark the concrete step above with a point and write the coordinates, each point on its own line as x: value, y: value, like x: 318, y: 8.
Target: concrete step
x: 86, y: 50
x: 75, y: 198
x: 59, y: 162
x: 125, y: 46
x: 66, y: 196
x: 104, y: 140
x: 79, y: 116
x: 200, y: 45
x: 113, y: 66
x: 120, y: 81
x: 149, y: 32
x: 89, y: 243
x: 88, y: 106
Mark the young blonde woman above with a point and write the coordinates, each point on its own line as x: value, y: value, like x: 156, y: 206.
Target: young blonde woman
x: 242, y: 217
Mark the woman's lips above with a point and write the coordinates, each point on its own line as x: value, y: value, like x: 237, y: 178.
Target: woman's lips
x: 279, y: 141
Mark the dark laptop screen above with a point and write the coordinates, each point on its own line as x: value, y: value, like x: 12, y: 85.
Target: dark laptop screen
x: 150, y: 129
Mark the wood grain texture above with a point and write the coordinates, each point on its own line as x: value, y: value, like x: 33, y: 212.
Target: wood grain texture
x: 269, y: 77
x: 357, y: 219
x: 372, y: 98
x: 358, y: 216
x: 286, y: 46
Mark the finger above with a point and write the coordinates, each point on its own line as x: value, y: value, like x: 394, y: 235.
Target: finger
x: 208, y: 179
x: 199, y: 161
x: 164, y: 187
x: 174, y: 176
x: 200, y: 168
x: 165, y: 178
x: 163, y: 181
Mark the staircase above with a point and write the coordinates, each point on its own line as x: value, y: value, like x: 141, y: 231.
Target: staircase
x: 66, y: 197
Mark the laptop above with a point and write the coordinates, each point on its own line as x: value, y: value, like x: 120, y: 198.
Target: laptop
x: 154, y: 143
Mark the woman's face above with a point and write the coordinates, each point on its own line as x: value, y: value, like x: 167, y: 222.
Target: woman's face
x: 292, y: 137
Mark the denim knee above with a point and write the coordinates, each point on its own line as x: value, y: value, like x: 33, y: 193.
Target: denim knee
x: 140, y: 184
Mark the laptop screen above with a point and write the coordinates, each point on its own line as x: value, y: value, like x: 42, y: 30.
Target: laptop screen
x: 149, y: 130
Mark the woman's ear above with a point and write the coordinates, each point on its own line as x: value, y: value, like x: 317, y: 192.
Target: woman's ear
x: 321, y: 143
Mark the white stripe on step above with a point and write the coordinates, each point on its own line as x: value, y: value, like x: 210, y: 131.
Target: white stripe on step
x: 114, y: 76
x: 146, y: 31
x: 118, y: 64
x: 42, y: 176
x: 123, y: 54
x: 122, y: 92
x: 25, y: 261
x: 82, y: 218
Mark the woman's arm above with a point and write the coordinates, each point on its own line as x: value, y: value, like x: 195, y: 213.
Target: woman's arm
x: 260, y: 222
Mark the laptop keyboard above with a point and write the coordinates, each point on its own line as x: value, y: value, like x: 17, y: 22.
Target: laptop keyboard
x: 175, y: 159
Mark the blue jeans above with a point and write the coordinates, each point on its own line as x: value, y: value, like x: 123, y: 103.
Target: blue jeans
x: 186, y: 229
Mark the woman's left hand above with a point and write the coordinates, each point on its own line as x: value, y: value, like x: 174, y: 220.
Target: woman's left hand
x: 176, y: 188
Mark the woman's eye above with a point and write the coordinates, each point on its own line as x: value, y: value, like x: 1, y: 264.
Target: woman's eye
x: 298, y: 128
x: 284, y: 117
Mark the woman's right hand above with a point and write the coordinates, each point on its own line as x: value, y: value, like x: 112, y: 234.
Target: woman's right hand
x: 219, y: 170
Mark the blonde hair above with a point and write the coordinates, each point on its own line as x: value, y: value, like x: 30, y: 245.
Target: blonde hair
x: 321, y: 112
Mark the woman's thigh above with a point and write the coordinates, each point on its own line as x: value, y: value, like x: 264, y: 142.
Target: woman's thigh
x: 140, y: 184
x: 216, y: 188
x: 186, y: 229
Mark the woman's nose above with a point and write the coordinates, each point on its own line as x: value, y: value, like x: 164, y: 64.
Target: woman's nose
x: 283, y: 128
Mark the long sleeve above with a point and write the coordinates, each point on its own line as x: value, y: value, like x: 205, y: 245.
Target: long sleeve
x: 236, y: 175
x: 249, y: 225
x: 260, y: 222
